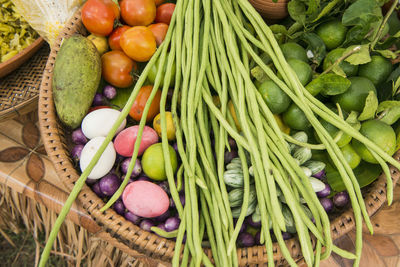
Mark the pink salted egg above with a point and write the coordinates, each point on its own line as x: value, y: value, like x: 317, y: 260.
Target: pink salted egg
x: 145, y: 199
x: 125, y: 140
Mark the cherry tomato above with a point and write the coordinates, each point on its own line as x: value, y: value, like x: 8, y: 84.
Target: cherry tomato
x: 138, y: 12
x: 115, y: 36
x: 117, y: 68
x: 159, y: 2
x: 98, y: 16
x: 140, y: 102
x: 159, y: 31
x: 138, y: 43
x: 164, y: 13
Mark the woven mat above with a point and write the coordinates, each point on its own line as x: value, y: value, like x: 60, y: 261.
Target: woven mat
x: 19, y: 90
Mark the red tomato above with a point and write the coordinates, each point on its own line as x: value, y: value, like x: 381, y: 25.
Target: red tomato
x: 159, y: 31
x: 117, y: 68
x: 159, y: 2
x: 115, y: 36
x: 138, y: 43
x: 138, y: 12
x: 98, y: 16
x: 136, y: 111
x: 164, y: 13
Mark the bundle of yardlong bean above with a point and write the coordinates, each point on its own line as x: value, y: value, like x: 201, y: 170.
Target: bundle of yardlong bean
x: 212, y: 44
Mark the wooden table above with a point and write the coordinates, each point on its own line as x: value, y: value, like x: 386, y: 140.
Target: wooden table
x: 25, y: 167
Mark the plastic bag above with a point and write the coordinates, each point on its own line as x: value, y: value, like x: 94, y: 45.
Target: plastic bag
x: 47, y: 17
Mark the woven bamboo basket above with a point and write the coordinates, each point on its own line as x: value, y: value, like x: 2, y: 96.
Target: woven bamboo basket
x: 19, y: 90
x: 155, y: 247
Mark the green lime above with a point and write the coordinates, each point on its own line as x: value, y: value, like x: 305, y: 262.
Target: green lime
x: 378, y: 132
x: 333, y: 131
x: 394, y: 23
x: 294, y: 50
x: 295, y: 118
x: 332, y: 33
x: 354, y: 97
x: 377, y: 70
x: 154, y: 70
x: 153, y: 162
x: 335, y: 54
x: 302, y: 69
x: 351, y: 156
x: 274, y: 97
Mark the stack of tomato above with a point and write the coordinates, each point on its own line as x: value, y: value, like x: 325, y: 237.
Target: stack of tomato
x: 132, y: 29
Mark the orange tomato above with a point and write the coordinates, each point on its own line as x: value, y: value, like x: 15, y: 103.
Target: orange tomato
x: 115, y: 36
x: 98, y: 16
x: 164, y: 13
x: 159, y: 31
x: 136, y: 111
x: 138, y: 12
x: 138, y: 43
x: 117, y: 68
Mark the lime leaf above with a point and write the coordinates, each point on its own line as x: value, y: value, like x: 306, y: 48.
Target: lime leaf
x: 360, y: 12
x: 277, y: 28
x: 360, y: 57
x: 352, y: 119
x: 387, y: 54
x: 338, y: 70
x: 396, y: 85
x: 390, y: 111
x: 333, y: 84
x: 370, y: 107
x: 297, y: 10
x: 365, y: 173
x: 385, y: 105
x: 326, y: 9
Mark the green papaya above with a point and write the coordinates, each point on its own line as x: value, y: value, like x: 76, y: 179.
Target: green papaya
x: 77, y: 73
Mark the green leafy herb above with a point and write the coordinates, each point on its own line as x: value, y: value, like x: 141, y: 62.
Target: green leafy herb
x: 352, y: 119
x: 370, y: 107
x: 390, y: 111
x: 365, y: 173
x: 331, y: 84
x: 361, y: 56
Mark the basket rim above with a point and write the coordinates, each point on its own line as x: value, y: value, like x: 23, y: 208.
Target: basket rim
x: 140, y: 240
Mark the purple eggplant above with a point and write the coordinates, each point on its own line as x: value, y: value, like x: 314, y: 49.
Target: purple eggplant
x: 77, y: 152
x: 137, y: 169
x: 341, y: 199
x: 119, y: 207
x: 109, y: 92
x: 78, y: 137
x: 327, y: 203
x: 109, y: 184
x: 99, y: 100
x: 132, y: 217
x: 246, y: 240
x: 97, y: 191
x: 146, y: 225
x: 163, y: 217
x: 172, y: 224
x: 229, y: 156
x: 326, y: 192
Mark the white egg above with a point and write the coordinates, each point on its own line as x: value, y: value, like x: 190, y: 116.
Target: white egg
x: 99, y: 122
x: 106, y: 161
